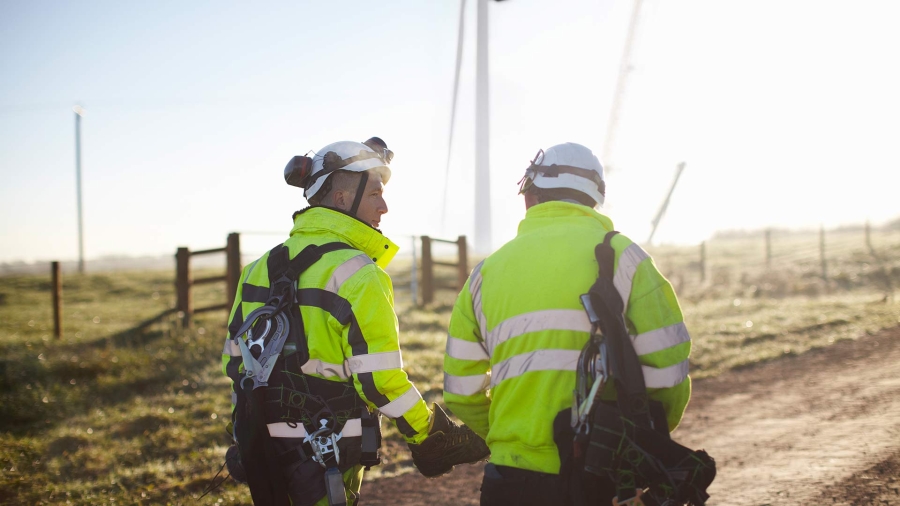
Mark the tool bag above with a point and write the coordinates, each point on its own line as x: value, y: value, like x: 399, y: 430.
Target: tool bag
x: 272, y: 388
x: 619, y: 447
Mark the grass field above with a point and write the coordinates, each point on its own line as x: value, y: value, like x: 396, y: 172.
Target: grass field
x: 123, y: 413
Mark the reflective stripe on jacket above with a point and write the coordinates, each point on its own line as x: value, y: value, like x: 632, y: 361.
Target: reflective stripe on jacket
x: 368, y: 352
x: 518, y: 327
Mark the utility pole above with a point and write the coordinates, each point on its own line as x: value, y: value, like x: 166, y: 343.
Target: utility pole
x: 482, y: 135
x: 665, y: 204
x: 79, y: 112
x: 624, y: 70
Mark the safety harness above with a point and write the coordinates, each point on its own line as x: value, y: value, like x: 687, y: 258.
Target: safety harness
x: 274, y: 399
x: 625, y: 443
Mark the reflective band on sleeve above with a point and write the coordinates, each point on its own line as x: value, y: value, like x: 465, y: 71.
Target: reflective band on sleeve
x: 345, y: 271
x: 352, y: 428
x: 466, y: 350
x: 399, y: 406
x: 316, y: 366
x: 551, y: 319
x: 252, y: 266
x: 466, y: 385
x: 660, y: 339
x: 541, y: 360
x: 667, y: 376
x: 628, y: 264
x: 231, y: 348
x: 234, y: 398
x: 375, y: 362
x: 475, y: 290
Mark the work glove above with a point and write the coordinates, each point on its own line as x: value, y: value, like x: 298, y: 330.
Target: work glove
x: 447, y: 445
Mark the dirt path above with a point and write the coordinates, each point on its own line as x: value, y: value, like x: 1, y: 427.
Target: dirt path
x: 819, y: 428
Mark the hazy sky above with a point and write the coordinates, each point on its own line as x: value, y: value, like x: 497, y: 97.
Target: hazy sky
x: 786, y: 112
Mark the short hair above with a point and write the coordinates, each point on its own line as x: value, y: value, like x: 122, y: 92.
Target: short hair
x: 550, y: 194
x: 341, y: 180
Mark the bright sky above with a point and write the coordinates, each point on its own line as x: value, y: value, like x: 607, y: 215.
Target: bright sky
x: 787, y: 113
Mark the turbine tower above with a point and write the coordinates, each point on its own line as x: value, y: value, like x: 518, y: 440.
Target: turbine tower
x: 482, y: 135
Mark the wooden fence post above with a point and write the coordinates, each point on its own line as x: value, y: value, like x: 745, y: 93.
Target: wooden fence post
x: 57, y: 300
x: 414, y: 276
x: 463, y: 268
x: 183, y: 281
x: 427, y: 271
x: 703, y: 261
x: 822, y: 252
x: 232, y: 267
x: 768, y: 248
x: 869, y: 237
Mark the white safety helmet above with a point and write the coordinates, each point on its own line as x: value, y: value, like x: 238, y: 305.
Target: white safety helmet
x: 310, y: 173
x: 568, y: 165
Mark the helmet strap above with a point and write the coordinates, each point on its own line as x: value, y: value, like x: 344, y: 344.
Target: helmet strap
x: 363, y: 180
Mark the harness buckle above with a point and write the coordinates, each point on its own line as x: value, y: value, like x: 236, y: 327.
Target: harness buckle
x: 322, y: 445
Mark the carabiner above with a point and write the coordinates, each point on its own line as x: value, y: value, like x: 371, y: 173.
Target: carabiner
x: 261, y: 340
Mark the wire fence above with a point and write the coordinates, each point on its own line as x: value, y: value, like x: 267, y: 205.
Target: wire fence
x: 780, y: 263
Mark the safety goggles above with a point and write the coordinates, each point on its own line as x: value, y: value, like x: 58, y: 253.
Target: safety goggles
x: 527, y: 180
x: 386, y: 155
x: 379, y: 147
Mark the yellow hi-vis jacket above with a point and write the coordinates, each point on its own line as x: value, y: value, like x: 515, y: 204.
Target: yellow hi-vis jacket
x: 518, y: 327
x: 337, y: 352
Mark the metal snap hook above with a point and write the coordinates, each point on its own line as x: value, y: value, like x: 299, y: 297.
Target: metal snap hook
x: 260, y: 341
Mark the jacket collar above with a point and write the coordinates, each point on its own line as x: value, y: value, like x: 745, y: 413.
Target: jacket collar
x: 348, y: 229
x: 548, y: 213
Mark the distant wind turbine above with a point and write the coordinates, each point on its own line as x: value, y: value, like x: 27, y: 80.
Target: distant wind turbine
x: 482, y: 243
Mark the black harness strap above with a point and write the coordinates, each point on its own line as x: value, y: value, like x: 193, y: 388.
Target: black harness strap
x: 625, y: 367
x: 360, y: 190
x: 629, y: 441
x: 253, y: 293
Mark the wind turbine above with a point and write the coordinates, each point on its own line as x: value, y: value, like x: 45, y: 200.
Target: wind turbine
x: 482, y: 243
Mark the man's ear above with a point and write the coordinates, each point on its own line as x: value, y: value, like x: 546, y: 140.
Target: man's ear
x: 339, y: 199
x: 530, y: 200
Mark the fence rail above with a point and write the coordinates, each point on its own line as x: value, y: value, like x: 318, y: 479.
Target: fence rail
x: 184, y: 279
x: 428, y: 262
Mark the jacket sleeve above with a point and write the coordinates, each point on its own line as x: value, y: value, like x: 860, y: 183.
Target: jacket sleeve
x: 660, y: 338
x: 467, y: 363
x: 231, y: 353
x: 372, y: 347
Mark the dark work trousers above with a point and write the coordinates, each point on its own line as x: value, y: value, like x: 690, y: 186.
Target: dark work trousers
x: 511, y: 486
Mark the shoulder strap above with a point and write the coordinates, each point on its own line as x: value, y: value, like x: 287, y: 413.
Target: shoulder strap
x: 280, y: 264
x: 310, y: 255
x: 624, y: 366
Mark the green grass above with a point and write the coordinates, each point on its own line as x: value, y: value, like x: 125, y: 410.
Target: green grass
x: 108, y: 414
x: 122, y: 413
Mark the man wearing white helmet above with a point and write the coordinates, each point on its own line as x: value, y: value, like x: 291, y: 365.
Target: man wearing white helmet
x: 518, y: 329
x: 313, y: 348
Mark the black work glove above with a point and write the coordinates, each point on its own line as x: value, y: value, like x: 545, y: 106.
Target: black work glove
x: 447, y: 445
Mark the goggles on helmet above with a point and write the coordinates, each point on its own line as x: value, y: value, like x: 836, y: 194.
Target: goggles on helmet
x: 386, y: 155
x: 527, y: 180
x: 377, y: 145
